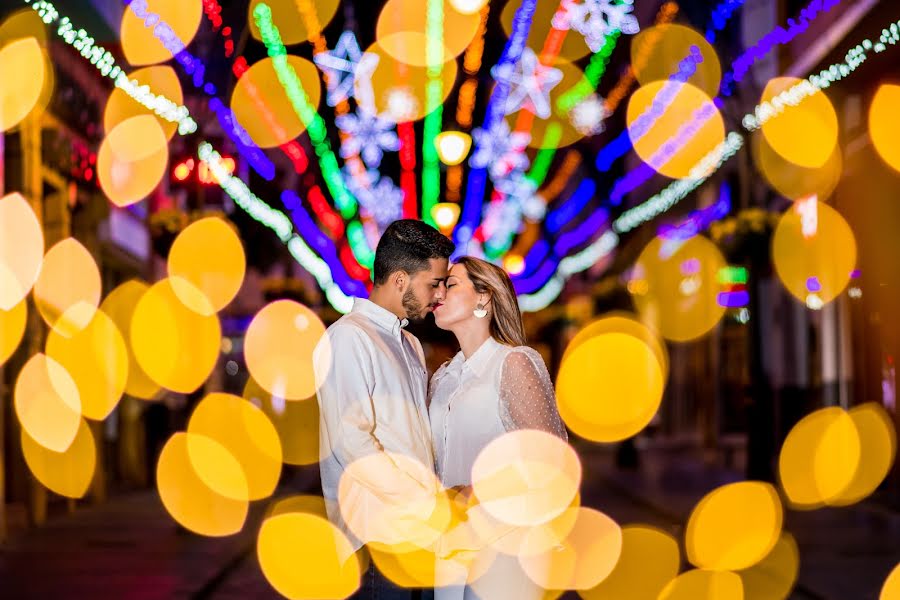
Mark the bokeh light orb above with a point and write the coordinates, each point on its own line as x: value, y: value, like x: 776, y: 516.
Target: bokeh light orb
x: 145, y: 22
x: 794, y: 181
x: 891, y: 588
x: 526, y: 477
x: 209, y: 255
x: 805, y: 134
x: 47, y: 403
x: 176, y: 346
x: 820, y: 458
x: 95, y: 356
x: 650, y: 559
x: 69, y: 278
x: 685, y: 132
x: 305, y: 556
x: 814, y: 252
x: 187, y: 497
x: 402, y: 31
x: 775, y: 575
x: 627, y: 323
x: 883, y: 126
x: 297, y: 20
x: 573, y: 46
x: 21, y: 249
x: 263, y: 107
x: 678, y: 295
x: 132, y: 160
x: 246, y: 432
x: 296, y: 422
x: 22, y: 69
x: 734, y: 526
x: 12, y: 328
x: 878, y: 449
x: 69, y: 472
x: 162, y: 81
x: 278, y: 349
x: 704, y: 585
x: 119, y: 305
x: 657, y: 52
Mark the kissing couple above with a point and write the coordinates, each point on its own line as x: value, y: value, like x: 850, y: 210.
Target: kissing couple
x: 382, y: 423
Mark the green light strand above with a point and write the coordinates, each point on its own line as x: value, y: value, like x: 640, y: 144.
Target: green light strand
x: 541, y: 165
x: 434, y: 51
x: 592, y: 75
x: 315, y: 127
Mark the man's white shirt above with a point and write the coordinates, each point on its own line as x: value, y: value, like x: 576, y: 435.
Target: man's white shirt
x: 371, y: 380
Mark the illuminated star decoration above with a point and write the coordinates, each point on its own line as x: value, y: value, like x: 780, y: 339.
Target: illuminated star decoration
x: 346, y: 66
x: 500, y: 150
x: 368, y: 135
x: 383, y: 201
x: 529, y: 83
x: 588, y: 115
x: 596, y: 19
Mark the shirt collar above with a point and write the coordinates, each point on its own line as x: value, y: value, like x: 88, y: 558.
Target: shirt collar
x: 379, y: 315
x: 478, y: 362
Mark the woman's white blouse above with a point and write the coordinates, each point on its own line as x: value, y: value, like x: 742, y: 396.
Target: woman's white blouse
x: 473, y: 402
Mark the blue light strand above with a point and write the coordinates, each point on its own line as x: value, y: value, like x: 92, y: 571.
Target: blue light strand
x: 698, y: 220
x: 565, y: 212
x: 720, y: 16
x: 477, y: 180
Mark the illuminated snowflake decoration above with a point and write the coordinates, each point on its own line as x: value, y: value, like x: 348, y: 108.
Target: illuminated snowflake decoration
x: 368, y: 135
x: 500, y: 150
x: 348, y: 71
x: 588, y: 116
x: 596, y: 19
x: 381, y: 198
x: 522, y: 191
x: 529, y: 83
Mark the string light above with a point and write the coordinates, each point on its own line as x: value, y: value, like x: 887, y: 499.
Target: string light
x: 434, y: 56
x: 720, y: 16
x: 592, y: 75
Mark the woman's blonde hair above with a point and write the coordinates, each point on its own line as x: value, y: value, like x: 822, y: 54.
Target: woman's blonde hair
x: 506, y: 318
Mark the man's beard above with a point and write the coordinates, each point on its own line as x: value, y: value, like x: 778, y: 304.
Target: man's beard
x: 412, y: 306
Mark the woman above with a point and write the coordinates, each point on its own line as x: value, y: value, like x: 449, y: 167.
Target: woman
x: 495, y: 384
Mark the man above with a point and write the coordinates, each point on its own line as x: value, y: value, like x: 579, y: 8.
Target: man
x: 372, y: 383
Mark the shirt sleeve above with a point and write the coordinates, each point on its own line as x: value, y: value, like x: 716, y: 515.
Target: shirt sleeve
x: 527, y: 398
x: 347, y: 415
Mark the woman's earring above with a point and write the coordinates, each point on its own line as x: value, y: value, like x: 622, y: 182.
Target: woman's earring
x: 480, y: 312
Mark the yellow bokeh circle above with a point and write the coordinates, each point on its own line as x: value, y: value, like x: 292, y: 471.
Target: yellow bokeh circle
x: 878, y: 448
x: 678, y: 295
x: 297, y: 20
x: 402, y: 30
x: 586, y: 557
x: 47, y: 403
x: 12, y: 328
x: 673, y: 140
x: 658, y: 52
x: 883, y: 126
x: 891, y: 588
x: 69, y: 278
x: 68, y: 473
x: 22, y: 69
x: 209, y: 255
x: 805, y: 134
x: 734, y: 526
x: 259, y: 89
x: 246, y: 432
x: 304, y: 556
x: 526, y: 477
x: 296, y: 422
x: 820, y: 458
x: 176, y: 346
x: 132, y: 160
x: 119, y: 305
x: 573, y: 46
x: 398, y: 90
x: 146, y: 21
x: 21, y: 249
x: 650, y: 559
x: 609, y: 387
x: 794, y: 181
x: 278, y: 349
x: 185, y: 495
x: 162, y: 81
x: 627, y: 323
x: 814, y: 254
x: 699, y: 584
x: 96, y: 358
x: 775, y: 575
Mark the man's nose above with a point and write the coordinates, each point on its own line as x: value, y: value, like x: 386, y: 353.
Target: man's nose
x: 439, y: 292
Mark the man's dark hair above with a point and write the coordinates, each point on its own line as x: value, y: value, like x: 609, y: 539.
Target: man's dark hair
x: 407, y: 245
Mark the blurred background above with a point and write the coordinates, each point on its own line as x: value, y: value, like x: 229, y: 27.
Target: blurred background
x: 721, y: 177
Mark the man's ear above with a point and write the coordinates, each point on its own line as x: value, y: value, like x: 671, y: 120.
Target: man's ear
x: 400, y: 279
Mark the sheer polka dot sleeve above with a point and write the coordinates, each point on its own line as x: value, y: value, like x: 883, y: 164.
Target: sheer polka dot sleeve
x: 527, y: 398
